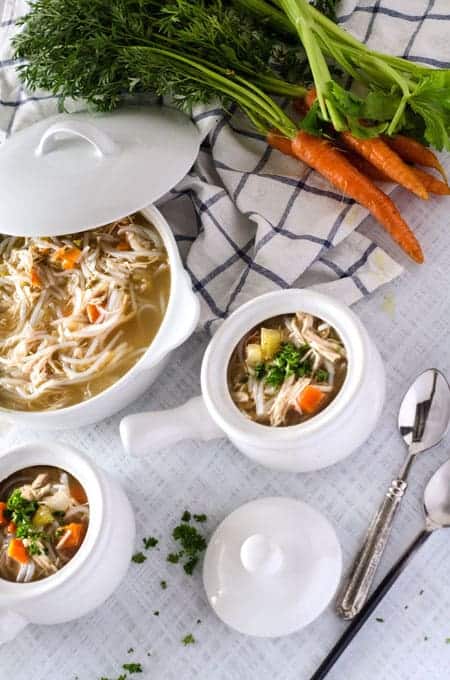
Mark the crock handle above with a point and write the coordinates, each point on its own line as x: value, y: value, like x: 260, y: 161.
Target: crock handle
x: 143, y: 434
x: 103, y: 144
x: 11, y: 624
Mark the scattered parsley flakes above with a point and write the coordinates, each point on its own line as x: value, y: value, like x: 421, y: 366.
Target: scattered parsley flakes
x: 163, y: 584
x: 150, y: 542
x: 192, y: 544
x: 200, y: 518
x: 188, y: 640
x: 186, y: 516
x: 421, y: 592
x: 447, y: 641
x: 131, y: 650
x: 174, y: 558
x: 122, y: 677
x: 138, y: 557
x: 379, y: 619
x: 425, y: 637
x: 156, y: 613
x: 132, y: 667
x: 199, y: 620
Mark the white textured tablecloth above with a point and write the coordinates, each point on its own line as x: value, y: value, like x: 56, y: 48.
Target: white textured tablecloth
x: 410, y: 320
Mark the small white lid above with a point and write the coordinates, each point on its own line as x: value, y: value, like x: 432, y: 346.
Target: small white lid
x: 271, y: 567
x: 76, y: 171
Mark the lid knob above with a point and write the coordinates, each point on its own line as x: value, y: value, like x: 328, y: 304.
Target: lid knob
x: 260, y: 555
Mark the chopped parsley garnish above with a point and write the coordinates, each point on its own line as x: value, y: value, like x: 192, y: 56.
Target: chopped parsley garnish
x: 21, y: 512
x: 131, y: 650
x: 150, y: 542
x: 200, y: 518
x: 321, y: 375
x: 379, y: 619
x: 132, y: 667
x: 174, y: 558
x: 156, y: 613
x: 186, y: 516
x: 192, y: 545
x: 138, y: 557
x: 163, y: 584
x: 289, y: 360
x: 188, y: 640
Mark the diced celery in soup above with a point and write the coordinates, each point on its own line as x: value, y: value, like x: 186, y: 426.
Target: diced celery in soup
x: 44, y: 516
x: 77, y: 312
x: 287, y: 369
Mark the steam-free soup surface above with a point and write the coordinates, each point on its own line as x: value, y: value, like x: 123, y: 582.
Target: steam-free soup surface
x: 44, y: 516
x: 77, y: 312
x: 287, y: 369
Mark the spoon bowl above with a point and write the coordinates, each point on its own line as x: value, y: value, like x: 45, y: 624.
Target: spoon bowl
x: 425, y: 411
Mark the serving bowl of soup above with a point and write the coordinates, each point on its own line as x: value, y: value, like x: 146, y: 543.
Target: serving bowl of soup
x: 292, y: 378
x: 88, y: 320
x: 62, y: 551
x: 93, y: 295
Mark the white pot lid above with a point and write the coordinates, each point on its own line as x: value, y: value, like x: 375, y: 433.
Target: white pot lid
x: 272, y: 567
x: 76, y: 171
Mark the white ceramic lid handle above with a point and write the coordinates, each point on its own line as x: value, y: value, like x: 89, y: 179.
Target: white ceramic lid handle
x: 11, y: 624
x: 144, y: 434
x: 103, y: 144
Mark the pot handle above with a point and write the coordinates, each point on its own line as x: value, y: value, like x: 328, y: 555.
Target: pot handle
x: 11, y: 624
x: 103, y: 144
x: 187, y: 317
x: 143, y: 434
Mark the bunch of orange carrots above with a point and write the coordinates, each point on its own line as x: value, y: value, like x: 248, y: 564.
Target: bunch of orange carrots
x: 352, y: 165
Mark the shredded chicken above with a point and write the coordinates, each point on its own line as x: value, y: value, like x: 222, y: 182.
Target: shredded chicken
x: 64, y: 303
x: 276, y: 400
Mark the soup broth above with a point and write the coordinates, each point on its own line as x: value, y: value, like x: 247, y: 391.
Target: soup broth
x: 287, y: 369
x: 77, y: 312
x: 44, y: 516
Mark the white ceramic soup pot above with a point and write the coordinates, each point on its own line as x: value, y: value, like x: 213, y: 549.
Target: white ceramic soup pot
x: 178, y: 324
x: 316, y: 443
x: 97, y: 568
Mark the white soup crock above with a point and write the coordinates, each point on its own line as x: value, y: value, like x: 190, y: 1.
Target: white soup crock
x: 319, y: 442
x: 99, y: 565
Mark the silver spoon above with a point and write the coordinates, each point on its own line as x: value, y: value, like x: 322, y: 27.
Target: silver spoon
x: 437, y: 516
x: 422, y: 421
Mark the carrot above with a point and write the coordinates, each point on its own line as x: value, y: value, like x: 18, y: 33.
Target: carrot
x: 367, y: 168
x: 319, y: 154
x: 76, y: 535
x: 35, y: 278
x: 17, y: 551
x: 3, y: 518
x: 310, y: 399
x: 413, y: 151
x: 77, y: 492
x: 67, y: 256
x: 281, y: 143
x: 123, y: 245
x: 11, y: 528
x: 377, y: 152
x: 432, y: 183
x: 92, y: 312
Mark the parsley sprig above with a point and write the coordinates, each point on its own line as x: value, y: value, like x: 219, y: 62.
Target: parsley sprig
x: 289, y: 360
x: 21, y: 512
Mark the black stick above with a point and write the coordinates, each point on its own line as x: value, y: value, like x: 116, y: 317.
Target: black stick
x: 371, y: 604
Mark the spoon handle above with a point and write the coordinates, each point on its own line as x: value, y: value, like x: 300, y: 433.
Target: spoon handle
x: 370, y: 606
x: 366, y: 563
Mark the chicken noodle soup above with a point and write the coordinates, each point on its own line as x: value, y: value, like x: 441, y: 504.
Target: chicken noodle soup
x: 44, y: 516
x: 287, y: 369
x: 77, y: 312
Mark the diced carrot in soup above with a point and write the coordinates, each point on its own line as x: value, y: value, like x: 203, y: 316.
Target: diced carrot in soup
x: 67, y: 256
x: 311, y: 399
x: 17, y: 551
x: 93, y: 312
x: 3, y: 518
x: 35, y: 278
x: 76, y: 535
